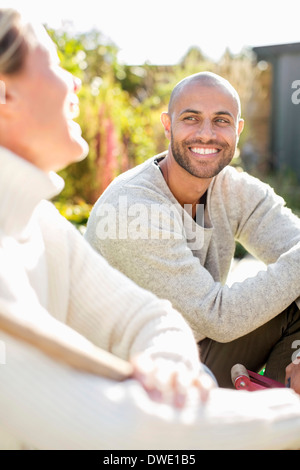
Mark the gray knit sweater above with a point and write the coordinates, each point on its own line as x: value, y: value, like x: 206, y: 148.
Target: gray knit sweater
x: 139, y: 227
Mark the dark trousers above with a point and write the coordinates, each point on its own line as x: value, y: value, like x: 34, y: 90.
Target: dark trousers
x: 270, y: 346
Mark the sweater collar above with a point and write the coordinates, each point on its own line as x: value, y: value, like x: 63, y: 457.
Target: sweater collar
x: 22, y: 187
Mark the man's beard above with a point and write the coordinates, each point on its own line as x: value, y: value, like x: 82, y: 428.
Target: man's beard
x: 201, y: 169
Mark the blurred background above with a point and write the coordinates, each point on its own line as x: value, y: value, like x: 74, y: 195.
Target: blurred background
x: 130, y: 54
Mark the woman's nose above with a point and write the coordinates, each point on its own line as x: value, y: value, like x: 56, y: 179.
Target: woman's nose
x: 76, y: 84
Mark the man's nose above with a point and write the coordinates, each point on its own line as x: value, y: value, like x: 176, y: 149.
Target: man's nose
x: 206, y: 130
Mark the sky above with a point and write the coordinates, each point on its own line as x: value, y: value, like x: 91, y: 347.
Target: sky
x: 160, y: 32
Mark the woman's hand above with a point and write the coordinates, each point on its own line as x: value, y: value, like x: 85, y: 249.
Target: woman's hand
x: 168, y: 381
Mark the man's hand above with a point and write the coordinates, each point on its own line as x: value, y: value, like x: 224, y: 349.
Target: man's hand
x: 292, y: 375
x: 168, y: 381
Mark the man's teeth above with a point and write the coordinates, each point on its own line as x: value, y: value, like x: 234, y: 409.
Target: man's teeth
x: 202, y: 151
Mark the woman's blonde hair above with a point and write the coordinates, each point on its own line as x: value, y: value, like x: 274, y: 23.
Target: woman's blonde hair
x: 13, y: 44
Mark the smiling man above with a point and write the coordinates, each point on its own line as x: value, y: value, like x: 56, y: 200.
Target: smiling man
x: 171, y: 225
x: 203, y: 127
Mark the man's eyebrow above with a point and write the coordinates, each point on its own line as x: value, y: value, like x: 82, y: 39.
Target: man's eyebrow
x: 192, y: 111
x: 226, y: 113
x: 195, y: 111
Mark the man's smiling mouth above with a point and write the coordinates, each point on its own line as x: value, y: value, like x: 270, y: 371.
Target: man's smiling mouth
x: 204, y: 151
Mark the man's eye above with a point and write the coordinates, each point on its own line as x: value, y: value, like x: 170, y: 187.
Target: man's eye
x: 189, y: 118
x: 222, y: 120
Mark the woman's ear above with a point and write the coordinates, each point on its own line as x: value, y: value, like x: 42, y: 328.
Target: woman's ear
x: 2, y: 92
x: 8, y: 95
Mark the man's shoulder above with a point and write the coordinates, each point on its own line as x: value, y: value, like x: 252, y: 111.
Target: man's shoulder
x: 238, y: 177
x: 139, y: 184
x: 144, y: 171
x: 238, y: 186
x: 232, y: 172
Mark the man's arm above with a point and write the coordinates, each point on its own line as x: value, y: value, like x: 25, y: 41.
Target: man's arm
x: 264, y: 225
x: 167, y: 267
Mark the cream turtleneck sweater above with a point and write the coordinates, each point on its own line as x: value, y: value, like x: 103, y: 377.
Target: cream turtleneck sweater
x: 50, y: 276
x: 46, y: 267
x: 46, y: 263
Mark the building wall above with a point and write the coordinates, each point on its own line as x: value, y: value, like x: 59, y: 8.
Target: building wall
x: 285, y: 130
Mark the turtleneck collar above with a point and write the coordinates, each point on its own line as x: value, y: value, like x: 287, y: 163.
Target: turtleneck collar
x: 22, y: 187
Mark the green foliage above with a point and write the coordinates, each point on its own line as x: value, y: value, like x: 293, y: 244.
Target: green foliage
x: 240, y: 251
x: 117, y: 118
x: 77, y: 214
x: 120, y: 108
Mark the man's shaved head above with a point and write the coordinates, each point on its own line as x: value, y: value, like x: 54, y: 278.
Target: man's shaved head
x: 203, y: 124
x: 206, y: 79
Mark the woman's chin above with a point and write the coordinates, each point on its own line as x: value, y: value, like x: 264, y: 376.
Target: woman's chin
x: 74, y: 153
x: 84, y: 149
x: 77, y: 139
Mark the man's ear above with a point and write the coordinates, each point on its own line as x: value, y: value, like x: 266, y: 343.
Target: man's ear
x: 240, y: 126
x: 166, y: 122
